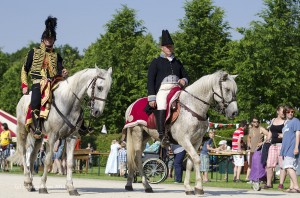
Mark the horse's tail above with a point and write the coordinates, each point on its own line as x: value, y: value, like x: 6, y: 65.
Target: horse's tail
x: 17, y: 157
x: 22, y: 134
x: 131, y: 154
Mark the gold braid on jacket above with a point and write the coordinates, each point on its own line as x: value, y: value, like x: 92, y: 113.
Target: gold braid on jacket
x: 44, y: 65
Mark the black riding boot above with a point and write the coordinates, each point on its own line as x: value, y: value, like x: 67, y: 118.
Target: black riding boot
x: 160, y: 116
x: 37, y: 124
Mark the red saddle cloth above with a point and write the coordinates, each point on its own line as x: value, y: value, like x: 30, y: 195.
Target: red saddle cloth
x: 137, y: 115
x: 47, y: 88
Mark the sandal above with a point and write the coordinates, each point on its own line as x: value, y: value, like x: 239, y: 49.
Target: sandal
x: 267, y: 187
x: 288, y: 190
x: 294, y: 190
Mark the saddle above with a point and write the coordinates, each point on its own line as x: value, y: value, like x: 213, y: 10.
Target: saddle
x: 141, y: 113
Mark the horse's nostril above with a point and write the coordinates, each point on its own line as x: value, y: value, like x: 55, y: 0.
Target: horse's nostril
x: 235, y: 113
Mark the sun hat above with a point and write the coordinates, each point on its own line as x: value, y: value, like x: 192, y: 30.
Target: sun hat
x: 222, y: 142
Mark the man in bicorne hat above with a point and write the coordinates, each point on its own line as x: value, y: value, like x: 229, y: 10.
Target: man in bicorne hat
x: 164, y: 73
x: 41, y: 63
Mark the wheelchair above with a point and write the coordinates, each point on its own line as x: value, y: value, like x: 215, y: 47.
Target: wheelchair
x: 155, y: 166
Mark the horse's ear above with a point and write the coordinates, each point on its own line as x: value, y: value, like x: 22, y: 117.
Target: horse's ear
x: 96, y: 66
x: 224, y: 77
x: 109, y: 70
x: 233, y: 76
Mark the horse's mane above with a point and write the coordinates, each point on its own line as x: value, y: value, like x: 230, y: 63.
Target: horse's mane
x: 75, y: 81
x: 207, y: 81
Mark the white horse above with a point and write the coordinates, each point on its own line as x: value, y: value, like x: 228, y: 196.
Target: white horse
x: 63, y: 121
x: 189, y: 128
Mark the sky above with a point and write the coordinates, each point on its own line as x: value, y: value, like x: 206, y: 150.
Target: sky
x: 80, y: 22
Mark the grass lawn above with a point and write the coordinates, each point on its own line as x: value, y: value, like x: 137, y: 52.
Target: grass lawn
x: 220, y: 182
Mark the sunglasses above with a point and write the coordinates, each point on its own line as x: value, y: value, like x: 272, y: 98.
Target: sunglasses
x: 290, y: 112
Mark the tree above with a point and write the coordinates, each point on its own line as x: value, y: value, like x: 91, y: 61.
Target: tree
x: 124, y: 48
x: 201, y: 43
x: 70, y: 56
x: 3, y: 64
x: 11, y: 89
x: 267, y: 60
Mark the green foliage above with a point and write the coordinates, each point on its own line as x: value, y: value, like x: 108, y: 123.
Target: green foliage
x: 3, y: 64
x: 201, y: 43
x: 128, y: 51
x: 103, y: 143
x: 70, y: 56
x: 267, y: 60
x: 10, y: 89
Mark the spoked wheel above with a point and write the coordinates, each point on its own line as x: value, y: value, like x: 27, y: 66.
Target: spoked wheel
x: 256, y: 186
x: 155, y: 170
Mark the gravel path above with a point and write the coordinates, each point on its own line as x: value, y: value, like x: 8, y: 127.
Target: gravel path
x: 12, y: 187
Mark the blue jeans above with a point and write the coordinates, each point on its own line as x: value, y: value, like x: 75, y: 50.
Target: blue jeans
x: 178, y: 165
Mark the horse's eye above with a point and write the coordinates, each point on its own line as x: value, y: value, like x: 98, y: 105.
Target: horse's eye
x: 100, y: 88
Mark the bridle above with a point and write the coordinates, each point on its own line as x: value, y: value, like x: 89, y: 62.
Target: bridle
x: 225, y: 103
x: 93, y: 97
x: 91, y: 102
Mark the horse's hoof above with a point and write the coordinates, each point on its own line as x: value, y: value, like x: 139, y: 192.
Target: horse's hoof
x: 74, y: 193
x: 189, y: 192
x: 43, y: 191
x: 199, y: 191
x: 31, y: 189
x: 148, y: 190
x: 129, y: 188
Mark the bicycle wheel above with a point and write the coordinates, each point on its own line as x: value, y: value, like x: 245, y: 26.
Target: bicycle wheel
x: 155, y: 170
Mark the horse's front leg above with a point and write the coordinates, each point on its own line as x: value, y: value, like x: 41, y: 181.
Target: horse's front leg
x: 31, y: 155
x: 47, y: 163
x: 70, y: 155
x: 193, y: 160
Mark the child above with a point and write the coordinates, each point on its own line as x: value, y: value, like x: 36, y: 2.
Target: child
x: 222, y: 146
x: 204, y: 158
x: 122, y: 156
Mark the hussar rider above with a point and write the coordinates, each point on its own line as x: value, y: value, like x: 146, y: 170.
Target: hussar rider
x: 41, y: 63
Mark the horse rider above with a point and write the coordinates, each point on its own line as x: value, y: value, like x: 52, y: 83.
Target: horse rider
x: 164, y: 73
x: 41, y: 63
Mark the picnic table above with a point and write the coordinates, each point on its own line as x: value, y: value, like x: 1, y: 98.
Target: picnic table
x: 224, y: 156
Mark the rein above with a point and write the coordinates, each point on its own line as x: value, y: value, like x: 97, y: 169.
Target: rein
x: 224, y: 102
x: 92, y: 103
x: 73, y: 127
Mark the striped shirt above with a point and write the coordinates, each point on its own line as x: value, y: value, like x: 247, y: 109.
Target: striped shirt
x: 239, y: 133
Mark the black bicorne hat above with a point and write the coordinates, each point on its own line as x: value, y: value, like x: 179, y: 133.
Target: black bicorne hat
x: 166, y: 38
x: 50, y: 32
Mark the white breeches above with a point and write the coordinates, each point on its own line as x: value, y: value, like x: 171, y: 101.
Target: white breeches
x: 161, y: 96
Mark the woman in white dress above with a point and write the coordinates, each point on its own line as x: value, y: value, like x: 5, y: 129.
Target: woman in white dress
x: 112, y: 161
